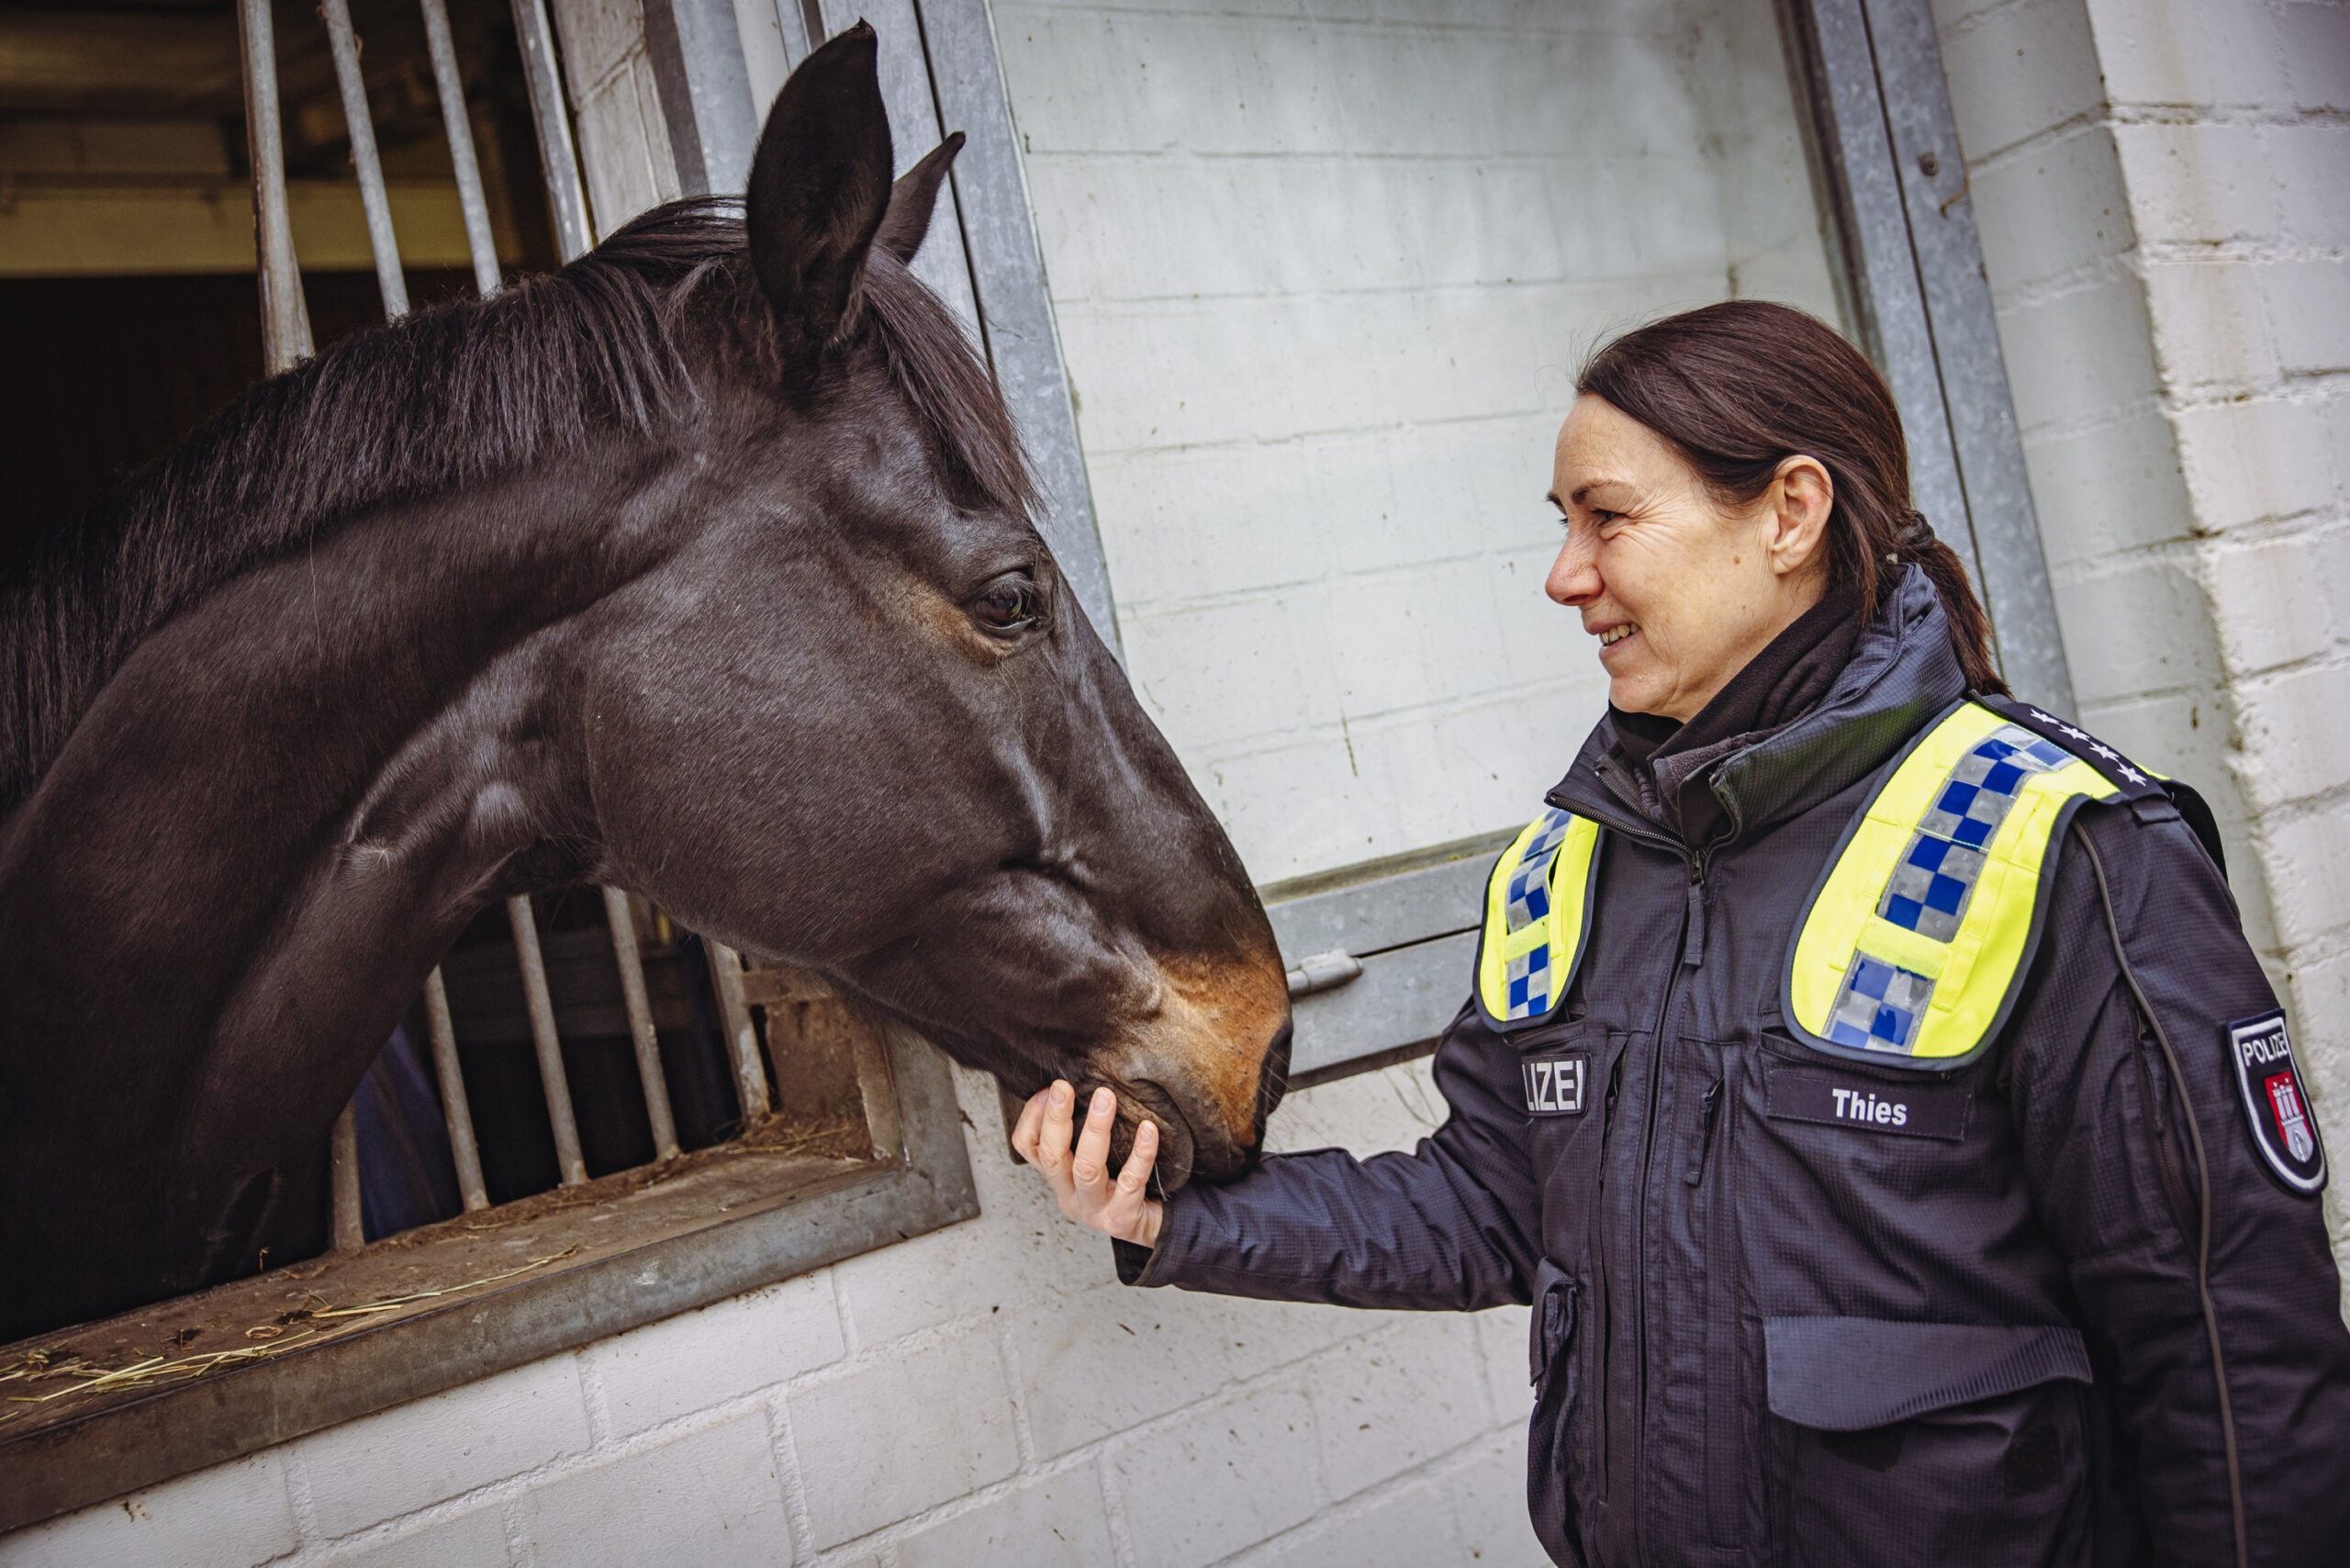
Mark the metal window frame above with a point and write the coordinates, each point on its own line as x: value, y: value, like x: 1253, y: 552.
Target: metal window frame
x: 1892, y: 187
x: 668, y: 1254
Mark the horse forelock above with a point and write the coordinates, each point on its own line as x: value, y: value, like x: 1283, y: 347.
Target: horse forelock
x: 632, y: 339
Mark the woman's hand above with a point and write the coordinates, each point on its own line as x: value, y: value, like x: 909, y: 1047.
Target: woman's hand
x: 1081, y: 1179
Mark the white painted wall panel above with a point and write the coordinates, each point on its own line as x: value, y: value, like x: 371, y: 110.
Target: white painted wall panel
x: 1323, y: 283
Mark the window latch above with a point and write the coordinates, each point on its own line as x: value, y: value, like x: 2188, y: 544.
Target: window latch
x: 1323, y: 971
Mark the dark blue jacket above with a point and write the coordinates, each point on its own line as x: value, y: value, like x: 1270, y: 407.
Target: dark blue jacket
x: 1763, y: 1339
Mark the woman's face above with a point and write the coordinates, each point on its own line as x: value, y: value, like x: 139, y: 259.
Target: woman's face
x: 1679, y: 593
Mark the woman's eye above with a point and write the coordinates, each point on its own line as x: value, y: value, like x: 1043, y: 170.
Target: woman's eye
x: 1007, y: 604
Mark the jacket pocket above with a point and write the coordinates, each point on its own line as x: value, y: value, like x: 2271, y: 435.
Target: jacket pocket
x: 1925, y: 1443
x: 1551, y: 1351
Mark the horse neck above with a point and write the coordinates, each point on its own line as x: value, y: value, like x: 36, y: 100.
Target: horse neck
x: 277, y: 813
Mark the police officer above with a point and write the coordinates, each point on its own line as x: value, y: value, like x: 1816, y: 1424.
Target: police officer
x: 1866, y: 1077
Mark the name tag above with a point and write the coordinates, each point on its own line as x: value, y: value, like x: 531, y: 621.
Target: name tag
x: 1921, y: 1110
x: 1554, y: 1085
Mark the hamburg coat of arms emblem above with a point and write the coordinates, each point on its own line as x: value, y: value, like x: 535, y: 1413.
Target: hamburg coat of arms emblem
x: 2275, y: 1102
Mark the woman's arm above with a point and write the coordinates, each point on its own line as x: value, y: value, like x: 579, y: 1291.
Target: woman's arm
x: 1453, y: 1225
x: 2205, y: 1279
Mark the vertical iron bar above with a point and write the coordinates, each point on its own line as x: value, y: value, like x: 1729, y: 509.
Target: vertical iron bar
x: 742, y: 1034
x: 640, y: 1024
x: 564, y: 197
x: 551, y: 1076
x: 342, y: 1165
x: 454, y: 1107
x: 285, y: 319
x: 878, y: 1089
x: 359, y: 122
x: 451, y: 82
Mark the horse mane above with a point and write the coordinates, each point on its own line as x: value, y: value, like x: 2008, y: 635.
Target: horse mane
x: 446, y: 397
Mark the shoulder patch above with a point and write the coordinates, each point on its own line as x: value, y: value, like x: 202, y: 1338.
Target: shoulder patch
x: 2134, y: 782
x: 2276, y: 1102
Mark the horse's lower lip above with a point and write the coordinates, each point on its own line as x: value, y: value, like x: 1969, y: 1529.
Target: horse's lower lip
x: 1178, y: 1144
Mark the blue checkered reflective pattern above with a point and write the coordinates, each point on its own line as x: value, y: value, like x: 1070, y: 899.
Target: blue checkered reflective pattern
x: 1530, y: 885
x: 1529, y: 982
x: 1528, y: 974
x: 1878, y: 1005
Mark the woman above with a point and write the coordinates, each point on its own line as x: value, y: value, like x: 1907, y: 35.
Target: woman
x: 1851, y: 1052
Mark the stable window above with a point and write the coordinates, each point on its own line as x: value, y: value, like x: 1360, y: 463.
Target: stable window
x: 591, y: 1117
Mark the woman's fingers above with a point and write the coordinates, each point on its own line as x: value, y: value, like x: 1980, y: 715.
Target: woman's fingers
x: 1079, y: 1174
x: 1138, y: 1167
x: 1052, y: 1141
x: 1092, y: 1161
x: 1029, y: 1128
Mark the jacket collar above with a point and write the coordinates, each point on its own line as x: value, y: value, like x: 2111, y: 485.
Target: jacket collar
x: 1902, y: 673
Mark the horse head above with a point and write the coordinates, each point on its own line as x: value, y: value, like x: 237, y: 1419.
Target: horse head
x: 855, y: 717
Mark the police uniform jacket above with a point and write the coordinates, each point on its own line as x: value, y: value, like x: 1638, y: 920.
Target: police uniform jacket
x: 2053, y: 1306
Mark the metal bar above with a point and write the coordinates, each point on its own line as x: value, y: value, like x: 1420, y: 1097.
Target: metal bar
x: 696, y: 49
x: 742, y: 1034
x: 285, y: 318
x: 2011, y: 567
x: 551, y: 1076
x: 1016, y: 323
x: 347, y: 1233
x: 454, y: 1107
x: 451, y: 85
x: 566, y: 200
x: 358, y: 120
x: 1849, y: 108
x: 877, y: 1089
x: 640, y: 1024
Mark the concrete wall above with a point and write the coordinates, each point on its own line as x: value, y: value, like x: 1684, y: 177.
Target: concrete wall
x: 1323, y: 273
x: 2164, y: 192
x: 986, y: 1394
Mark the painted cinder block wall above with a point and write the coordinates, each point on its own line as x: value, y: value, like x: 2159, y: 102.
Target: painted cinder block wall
x: 2163, y: 189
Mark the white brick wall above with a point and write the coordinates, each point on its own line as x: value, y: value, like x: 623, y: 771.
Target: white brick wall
x: 985, y: 1394
x: 1323, y: 277
x: 2164, y: 190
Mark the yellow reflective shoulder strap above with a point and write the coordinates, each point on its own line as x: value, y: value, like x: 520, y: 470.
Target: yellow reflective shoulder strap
x: 1920, y: 931
x: 1538, y: 918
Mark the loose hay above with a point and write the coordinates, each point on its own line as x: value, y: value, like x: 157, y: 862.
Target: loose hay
x: 303, y: 1324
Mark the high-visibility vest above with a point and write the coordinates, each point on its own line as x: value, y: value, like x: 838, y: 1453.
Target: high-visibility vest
x: 1918, y: 935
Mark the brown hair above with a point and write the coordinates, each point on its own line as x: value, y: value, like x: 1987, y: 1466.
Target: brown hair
x: 1741, y: 386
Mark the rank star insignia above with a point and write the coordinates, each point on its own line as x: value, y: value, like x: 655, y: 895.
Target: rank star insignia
x: 2078, y: 734
x: 2132, y: 775
x: 2106, y: 752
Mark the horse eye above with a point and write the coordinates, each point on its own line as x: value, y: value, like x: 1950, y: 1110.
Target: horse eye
x: 1007, y: 604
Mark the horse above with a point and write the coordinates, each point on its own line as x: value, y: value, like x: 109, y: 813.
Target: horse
x: 703, y: 568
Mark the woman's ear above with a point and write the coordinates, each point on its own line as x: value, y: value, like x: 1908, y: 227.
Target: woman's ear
x: 1795, y: 516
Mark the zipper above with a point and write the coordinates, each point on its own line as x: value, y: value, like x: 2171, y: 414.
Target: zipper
x: 1693, y: 955
x: 1604, y: 1329
x: 1712, y: 1104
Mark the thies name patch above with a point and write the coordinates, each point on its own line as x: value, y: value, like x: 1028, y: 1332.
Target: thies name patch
x: 1919, y: 1109
x: 1554, y: 1085
x: 2276, y: 1103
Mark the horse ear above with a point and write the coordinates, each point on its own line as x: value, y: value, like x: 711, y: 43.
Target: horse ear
x: 913, y: 196
x: 820, y: 187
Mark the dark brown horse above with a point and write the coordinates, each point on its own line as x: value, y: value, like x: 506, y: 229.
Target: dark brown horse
x: 703, y: 568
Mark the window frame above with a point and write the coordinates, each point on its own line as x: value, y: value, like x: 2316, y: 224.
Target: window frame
x: 121, y: 1444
